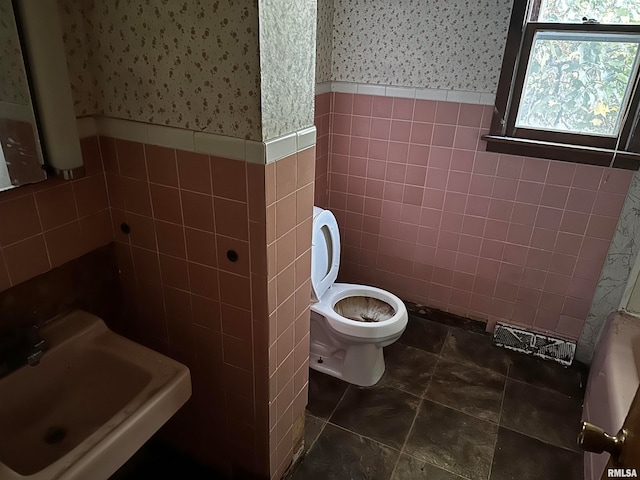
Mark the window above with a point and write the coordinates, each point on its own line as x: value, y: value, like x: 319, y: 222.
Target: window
x: 568, y: 88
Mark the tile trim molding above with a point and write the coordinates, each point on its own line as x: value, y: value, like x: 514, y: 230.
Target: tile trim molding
x: 479, y: 98
x: 254, y: 151
x: 87, y: 127
x: 17, y: 112
x: 218, y: 145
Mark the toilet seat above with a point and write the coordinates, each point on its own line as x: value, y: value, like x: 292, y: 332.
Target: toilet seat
x: 325, y: 252
x: 361, y: 331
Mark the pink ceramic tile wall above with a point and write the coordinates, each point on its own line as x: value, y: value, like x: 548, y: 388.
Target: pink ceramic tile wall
x: 47, y: 224
x: 322, y: 116
x: 290, y: 197
x: 242, y: 326
x: 187, y: 294
x: 427, y: 213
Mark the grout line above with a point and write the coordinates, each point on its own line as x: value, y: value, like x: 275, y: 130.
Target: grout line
x: 547, y: 389
x: 41, y: 233
x: 377, y: 442
x: 324, y: 424
x: 156, y: 249
x: 545, y: 442
x: 422, y: 398
x: 495, y: 445
x: 338, y: 404
x: 457, y: 475
x: 404, y: 444
x: 461, y: 411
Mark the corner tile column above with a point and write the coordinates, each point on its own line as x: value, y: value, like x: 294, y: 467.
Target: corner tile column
x: 289, y: 208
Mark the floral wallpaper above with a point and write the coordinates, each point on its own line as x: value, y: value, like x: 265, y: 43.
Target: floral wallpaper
x: 442, y: 44
x: 188, y: 64
x: 76, y: 34
x: 324, y: 40
x: 287, y: 64
x: 13, y: 81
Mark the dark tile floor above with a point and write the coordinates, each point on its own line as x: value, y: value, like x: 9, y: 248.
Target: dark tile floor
x: 449, y: 406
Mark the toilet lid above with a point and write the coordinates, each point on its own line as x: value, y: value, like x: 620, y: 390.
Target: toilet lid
x: 325, y: 252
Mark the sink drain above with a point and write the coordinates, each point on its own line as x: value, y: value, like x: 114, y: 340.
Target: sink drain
x: 54, y: 435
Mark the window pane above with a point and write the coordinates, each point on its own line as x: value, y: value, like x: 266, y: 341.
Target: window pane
x: 604, y: 11
x: 578, y: 82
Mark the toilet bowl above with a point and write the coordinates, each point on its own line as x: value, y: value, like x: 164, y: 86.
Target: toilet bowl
x: 350, y: 324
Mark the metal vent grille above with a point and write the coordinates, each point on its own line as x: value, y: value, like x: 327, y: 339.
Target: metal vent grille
x: 512, y: 338
x: 561, y: 351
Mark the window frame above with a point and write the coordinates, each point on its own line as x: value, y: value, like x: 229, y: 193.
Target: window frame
x: 504, y: 137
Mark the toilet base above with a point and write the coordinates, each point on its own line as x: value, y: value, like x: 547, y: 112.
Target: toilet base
x: 361, y: 365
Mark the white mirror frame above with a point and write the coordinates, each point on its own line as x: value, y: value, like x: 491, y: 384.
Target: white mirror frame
x: 49, y: 78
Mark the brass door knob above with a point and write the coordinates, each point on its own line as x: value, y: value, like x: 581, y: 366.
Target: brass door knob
x: 596, y: 440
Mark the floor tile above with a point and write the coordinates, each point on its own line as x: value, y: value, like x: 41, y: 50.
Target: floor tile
x: 472, y: 390
x: 475, y: 348
x: 342, y: 455
x: 325, y: 392
x: 524, y: 458
x: 312, y: 428
x: 569, y: 381
x: 407, y: 368
x: 543, y: 414
x: 410, y: 468
x: 382, y: 413
x: 424, y: 334
x: 453, y: 440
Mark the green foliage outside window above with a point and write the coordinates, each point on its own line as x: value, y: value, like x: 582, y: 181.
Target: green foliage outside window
x: 577, y: 85
x: 604, y: 11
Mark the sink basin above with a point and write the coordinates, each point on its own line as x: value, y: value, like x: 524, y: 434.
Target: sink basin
x: 91, y: 402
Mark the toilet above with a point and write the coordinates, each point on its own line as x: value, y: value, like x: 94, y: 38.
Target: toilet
x: 350, y: 324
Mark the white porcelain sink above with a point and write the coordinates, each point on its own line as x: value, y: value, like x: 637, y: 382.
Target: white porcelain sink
x: 93, y: 400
